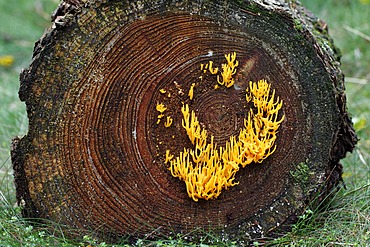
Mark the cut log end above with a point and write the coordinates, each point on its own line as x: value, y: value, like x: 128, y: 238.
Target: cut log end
x: 94, y: 156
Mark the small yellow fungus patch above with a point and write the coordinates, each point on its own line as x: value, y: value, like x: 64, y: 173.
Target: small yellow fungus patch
x: 168, y: 122
x: 228, y: 70
x: 204, y: 67
x: 168, y: 156
x: 160, y: 116
x: 207, y: 169
x: 213, y: 71
x: 162, y: 90
x: 160, y: 107
x: 191, y: 91
x: 231, y: 61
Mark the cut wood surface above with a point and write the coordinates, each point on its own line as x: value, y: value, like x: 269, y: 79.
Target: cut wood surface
x: 105, y: 93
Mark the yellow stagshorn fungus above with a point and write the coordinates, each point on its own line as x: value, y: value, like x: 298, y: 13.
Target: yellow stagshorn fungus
x: 168, y: 122
x: 207, y: 169
x: 160, y: 107
x: 228, y: 70
x: 213, y: 71
x: 191, y: 91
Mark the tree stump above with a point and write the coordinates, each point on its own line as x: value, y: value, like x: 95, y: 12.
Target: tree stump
x: 104, y: 96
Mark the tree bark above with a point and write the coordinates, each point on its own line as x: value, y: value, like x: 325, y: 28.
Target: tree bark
x: 94, y: 155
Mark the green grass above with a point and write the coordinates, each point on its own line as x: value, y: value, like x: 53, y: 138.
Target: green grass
x: 22, y: 23
x: 344, y: 222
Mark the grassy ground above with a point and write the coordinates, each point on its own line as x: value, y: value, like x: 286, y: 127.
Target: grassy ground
x: 345, y: 223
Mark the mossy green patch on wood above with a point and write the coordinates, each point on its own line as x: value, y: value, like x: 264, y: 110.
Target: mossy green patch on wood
x: 298, y: 25
x: 301, y: 175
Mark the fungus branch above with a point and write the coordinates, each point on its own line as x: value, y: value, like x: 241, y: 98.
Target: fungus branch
x: 228, y: 70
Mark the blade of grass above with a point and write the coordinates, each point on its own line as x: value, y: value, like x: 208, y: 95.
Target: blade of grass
x: 356, y: 32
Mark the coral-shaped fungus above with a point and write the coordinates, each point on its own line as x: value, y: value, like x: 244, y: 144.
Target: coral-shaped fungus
x: 228, y: 70
x: 207, y: 169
